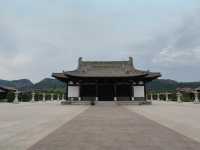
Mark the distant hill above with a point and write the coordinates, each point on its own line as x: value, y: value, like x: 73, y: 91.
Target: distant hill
x: 23, y: 84
x: 19, y: 84
x: 26, y: 85
x: 162, y: 85
x: 170, y: 85
x: 48, y: 84
x: 6, y: 83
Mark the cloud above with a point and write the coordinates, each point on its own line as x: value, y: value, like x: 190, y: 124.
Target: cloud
x: 41, y: 37
x: 182, y: 46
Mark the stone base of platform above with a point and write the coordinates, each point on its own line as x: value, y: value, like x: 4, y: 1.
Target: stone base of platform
x: 75, y: 102
x: 134, y: 102
x: 114, y: 102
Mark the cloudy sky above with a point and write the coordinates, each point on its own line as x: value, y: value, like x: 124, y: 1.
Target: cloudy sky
x: 38, y: 37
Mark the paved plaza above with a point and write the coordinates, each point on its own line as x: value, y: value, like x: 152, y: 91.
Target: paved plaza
x: 21, y: 125
x: 180, y: 117
x: 51, y: 126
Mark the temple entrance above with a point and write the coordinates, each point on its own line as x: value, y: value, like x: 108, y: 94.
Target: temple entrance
x: 88, y: 91
x: 124, y: 92
x: 106, y: 92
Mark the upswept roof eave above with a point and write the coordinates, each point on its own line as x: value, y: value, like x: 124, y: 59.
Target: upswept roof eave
x: 82, y: 75
x: 6, y: 88
x: 60, y: 76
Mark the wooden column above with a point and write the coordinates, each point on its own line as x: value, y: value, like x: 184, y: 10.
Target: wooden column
x: 145, y: 92
x: 66, y: 91
x: 97, y: 94
x: 131, y: 91
x: 115, y: 92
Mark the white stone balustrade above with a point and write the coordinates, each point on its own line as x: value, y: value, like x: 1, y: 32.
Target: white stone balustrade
x: 158, y: 96
x: 196, y: 98
x: 79, y: 99
x: 178, y: 94
x: 16, y: 100
x: 63, y: 97
x: 96, y: 98
x: 115, y: 98
x: 43, y: 97
x: 52, y: 96
x: 167, y: 96
x: 33, y: 97
x: 58, y: 97
x: 151, y: 97
x: 132, y: 98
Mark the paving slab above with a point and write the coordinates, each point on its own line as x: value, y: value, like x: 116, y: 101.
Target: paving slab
x: 181, y: 117
x: 113, y: 127
x: 22, y: 125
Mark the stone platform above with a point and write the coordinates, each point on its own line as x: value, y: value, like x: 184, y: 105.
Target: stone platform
x: 106, y: 102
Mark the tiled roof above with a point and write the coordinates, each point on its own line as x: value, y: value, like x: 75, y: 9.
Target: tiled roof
x: 6, y: 89
x: 102, y: 69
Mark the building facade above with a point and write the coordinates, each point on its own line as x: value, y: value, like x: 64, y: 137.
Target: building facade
x: 106, y: 81
x: 4, y: 90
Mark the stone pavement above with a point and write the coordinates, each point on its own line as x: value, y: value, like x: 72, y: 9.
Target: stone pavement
x: 113, y: 127
x: 23, y: 124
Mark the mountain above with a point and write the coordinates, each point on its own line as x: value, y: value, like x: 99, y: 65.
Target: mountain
x: 49, y: 84
x: 6, y: 83
x: 162, y: 85
x: 22, y: 84
x: 170, y: 85
x: 26, y: 85
x: 18, y: 84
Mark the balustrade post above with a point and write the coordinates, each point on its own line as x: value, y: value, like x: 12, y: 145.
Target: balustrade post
x: 167, y: 96
x: 151, y: 96
x: 16, y: 100
x: 178, y: 94
x: 63, y: 96
x: 33, y: 97
x: 158, y: 96
x: 58, y: 98
x: 196, y: 98
x: 52, y: 96
x: 43, y: 97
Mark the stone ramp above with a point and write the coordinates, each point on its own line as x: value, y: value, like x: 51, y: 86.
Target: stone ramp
x: 113, y: 127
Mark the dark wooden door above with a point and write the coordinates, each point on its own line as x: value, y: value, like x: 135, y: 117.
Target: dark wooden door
x: 106, y: 92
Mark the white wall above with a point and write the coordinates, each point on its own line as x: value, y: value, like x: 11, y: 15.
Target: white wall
x: 73, y: 91
x: 139, y: 91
